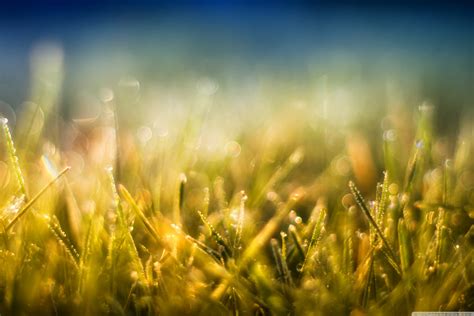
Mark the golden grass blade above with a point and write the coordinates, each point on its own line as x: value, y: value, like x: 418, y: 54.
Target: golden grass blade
x: 34, y: 199
x: 14, y: 157
x: 151, y: 230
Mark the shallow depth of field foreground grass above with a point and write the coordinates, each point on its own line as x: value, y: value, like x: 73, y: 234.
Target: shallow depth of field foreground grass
x: 292, y: 216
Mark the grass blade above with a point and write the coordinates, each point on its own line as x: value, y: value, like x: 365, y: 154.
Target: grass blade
x: 360, y: 201
x: 14, y: 157
x: 34, y: 199
x: 215, y: 234
x: 315, y: 236
x: 149, y: 227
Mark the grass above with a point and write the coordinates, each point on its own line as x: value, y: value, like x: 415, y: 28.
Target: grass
x: 270, y: 227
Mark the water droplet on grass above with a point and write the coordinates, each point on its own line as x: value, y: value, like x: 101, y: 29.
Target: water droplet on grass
x: 7, y: 112
x: 297, y: 156
x: 448, y: 163
x: 419, y: 144
x: 109, y: 168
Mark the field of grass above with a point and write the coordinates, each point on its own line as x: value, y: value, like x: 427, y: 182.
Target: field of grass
x: 292, y: 215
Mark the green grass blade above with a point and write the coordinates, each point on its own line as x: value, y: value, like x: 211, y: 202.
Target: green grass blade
x: 360, y: 201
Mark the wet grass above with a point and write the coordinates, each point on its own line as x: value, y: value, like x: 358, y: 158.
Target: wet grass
x: 267, y: 228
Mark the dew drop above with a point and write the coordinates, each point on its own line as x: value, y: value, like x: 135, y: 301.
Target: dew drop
x: 297, y: 156
x: 448, y: 163
x: 109, y: 168
x: 299, y: 267
x: 419, y: 144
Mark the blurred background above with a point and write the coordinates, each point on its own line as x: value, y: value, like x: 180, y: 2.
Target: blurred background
x: 344, y: 59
